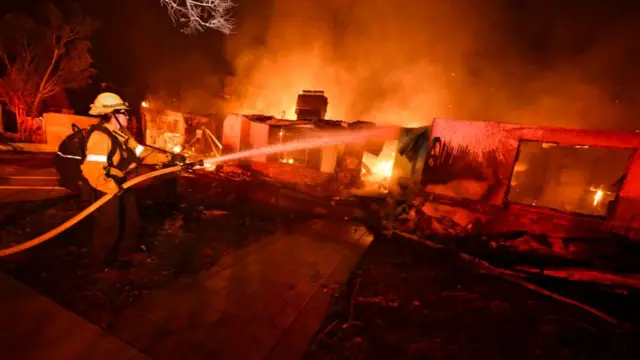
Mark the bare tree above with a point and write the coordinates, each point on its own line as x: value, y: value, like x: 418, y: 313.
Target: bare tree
x: 40, y: 59
x: 198, y: 15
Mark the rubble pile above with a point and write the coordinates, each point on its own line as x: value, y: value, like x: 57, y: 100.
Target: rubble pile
x: 429, y: 218
x: 510, y: 238
x: 403, y: 299
x: 289, y: 172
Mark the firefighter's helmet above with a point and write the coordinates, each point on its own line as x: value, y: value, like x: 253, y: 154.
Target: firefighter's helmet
x: 107, y: 102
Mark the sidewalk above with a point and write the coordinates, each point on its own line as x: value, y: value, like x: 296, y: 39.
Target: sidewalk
x: 34, y: 327
x: 264, y: 302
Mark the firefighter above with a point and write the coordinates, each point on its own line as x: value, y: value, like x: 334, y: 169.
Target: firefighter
x: 110, y: 153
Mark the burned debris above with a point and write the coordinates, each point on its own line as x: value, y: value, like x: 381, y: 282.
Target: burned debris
x: 485, y: 197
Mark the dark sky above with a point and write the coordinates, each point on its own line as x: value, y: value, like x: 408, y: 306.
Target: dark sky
x: 568, y: 63
x: 134, y: 40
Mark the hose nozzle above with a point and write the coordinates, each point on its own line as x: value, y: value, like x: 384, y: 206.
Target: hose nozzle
x: 191, y: 165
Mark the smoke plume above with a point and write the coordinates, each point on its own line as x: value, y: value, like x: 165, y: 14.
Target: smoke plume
x: 405, y: 62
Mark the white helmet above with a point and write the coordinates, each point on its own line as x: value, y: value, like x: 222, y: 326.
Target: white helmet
x: 106, y: 103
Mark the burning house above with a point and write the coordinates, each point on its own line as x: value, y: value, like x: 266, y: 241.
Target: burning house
x: 369, y: 169
x: 373, y: 169
x: 348, y: 163
x: 243, y: 132
x: 179, y: 132
x: 558, y: 181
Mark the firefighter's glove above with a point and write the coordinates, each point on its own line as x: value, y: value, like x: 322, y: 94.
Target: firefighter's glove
x: 178, y: 159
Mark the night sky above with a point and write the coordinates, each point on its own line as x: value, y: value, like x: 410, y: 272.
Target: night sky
x: 135, y: 39
x: 517, y: 61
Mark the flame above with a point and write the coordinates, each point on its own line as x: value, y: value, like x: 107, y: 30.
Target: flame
x: 597, y: 197
x: 272, y: 85
x: 172, y: 141
x: 207, y: 167
x: 383, y: 169
x: 599, y: 193
x: 144, y: 104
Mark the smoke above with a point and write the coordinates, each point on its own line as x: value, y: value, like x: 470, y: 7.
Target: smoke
x: 405, y: 62
x: 193, y: 86
x: 389, y: 62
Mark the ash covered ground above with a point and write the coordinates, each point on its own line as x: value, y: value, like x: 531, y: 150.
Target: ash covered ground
x: 408, y: 301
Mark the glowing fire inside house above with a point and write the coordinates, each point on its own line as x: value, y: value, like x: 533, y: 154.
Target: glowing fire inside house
x: 597, y: 197
x: 379, y: 168
x: 169, y: 130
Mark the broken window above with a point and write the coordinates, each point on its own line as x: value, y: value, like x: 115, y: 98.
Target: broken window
x: 311, y: 158
x: 576, y: 179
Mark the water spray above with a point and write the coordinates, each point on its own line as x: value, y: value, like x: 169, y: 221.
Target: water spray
x: 321, y: 140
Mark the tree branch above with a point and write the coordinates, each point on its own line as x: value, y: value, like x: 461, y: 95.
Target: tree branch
x: 42, y: 59
x: 36, y: 101
x: 197, y: 15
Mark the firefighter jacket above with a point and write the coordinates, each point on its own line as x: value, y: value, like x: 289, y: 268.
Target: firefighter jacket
x: 105, y: 174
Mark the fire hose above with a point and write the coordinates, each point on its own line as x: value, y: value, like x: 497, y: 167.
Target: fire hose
x: 84, y: 213
x: 315, y: 142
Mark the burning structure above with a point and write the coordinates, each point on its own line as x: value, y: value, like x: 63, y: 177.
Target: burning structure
x: 562, y: 181
x: 353, y: 166
x: 371, y: 169
x: 178, y: 132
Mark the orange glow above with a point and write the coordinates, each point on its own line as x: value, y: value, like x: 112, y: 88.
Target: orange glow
x: 599, y: 194
x: 597, y: 197
x: 172, y: 140
x: 383, y: 168
x: 275, y: 82
x: 389, y: 62
x: 207, y: 167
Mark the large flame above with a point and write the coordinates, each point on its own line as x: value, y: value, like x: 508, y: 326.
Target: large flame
x: 407, y: 62
x: 381, y: 167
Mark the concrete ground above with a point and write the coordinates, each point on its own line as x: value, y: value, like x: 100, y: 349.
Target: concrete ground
x: 34, y: 327
x: 264, y: 302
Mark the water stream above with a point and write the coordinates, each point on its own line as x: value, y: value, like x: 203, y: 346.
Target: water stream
x: 319, y: 140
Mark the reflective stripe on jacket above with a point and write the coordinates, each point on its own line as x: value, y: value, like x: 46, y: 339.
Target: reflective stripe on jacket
x: 95, y: 166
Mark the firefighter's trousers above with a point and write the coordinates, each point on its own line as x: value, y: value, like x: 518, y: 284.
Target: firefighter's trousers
x: 115, y: 230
